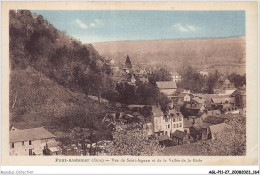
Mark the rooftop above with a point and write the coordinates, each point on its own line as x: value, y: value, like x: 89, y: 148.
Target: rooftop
x: 156, y: 111
x: 175, y: 74
x: 218, y: 128
x: 223, y: 100
x: 186, y: 123
x: 181, y: 95
x: 179, y: 134
x: 198, y: 100
x: 163, y: 137
x: 29, y: 134
x: 214, y: 120
x: 166, y: 85
x: 135, y: 106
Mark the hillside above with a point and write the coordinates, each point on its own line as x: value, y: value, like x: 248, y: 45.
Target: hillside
x: 52, y: 76
x: 221, y: 54
x: 51, y: 105
x: 35, y: 42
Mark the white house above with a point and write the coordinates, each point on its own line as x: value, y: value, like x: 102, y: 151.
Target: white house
x: 176, y: 77
x: 31, y: 142
x: 165, y: 124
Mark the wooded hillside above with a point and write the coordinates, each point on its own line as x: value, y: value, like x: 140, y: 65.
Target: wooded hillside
x: 52, y: 75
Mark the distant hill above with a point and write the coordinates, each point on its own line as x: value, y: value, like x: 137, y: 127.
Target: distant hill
x: 216, y: 53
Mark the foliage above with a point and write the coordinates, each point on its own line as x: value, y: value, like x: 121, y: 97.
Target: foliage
x: 128, y: 63
x: 160, y: 75
x: 133, y: 140
x: 80, y: 137
x: 144, y: 94
x: 231, y: 142
x: 35, y: 42
x: 238, y: 80
x: 212, y: 81
x: 126, y: 92
x: 192, y: 80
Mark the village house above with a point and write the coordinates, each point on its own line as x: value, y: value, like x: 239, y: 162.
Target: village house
x: 184, y: 97
x: 167, y: 87
x: 240, y: 98
x: 176, y: 77
x: 32, y: 141
x: 203, y: 73
x: 196, y: 104
x: 165, y: 124
x: 181, y: 90
x: 213, y: 112
x: 222, y: 102
x: 226, y: 88
x: 180, y: 137
x: 127, y: 70
x: 199, y: 132
x: 186, y: 126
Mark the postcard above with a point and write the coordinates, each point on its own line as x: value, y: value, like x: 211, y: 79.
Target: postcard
x: 129, y: 83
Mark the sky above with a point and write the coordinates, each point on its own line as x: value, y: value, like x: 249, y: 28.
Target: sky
x: 91, y: 26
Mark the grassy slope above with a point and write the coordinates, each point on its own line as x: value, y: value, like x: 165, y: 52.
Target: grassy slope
x: 42, y: 103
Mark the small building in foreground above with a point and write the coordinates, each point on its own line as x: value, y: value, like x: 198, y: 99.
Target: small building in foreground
x: 34, y: 141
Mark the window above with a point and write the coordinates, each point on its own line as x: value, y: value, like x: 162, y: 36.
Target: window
x: 180, y: 119
x: 168, y: 126
x: 12, y: 145
x: 22, y: 143
x: 165, y: 132
x: 174, y: 126
x: 166, y: 119
x: 30, y: 142
x: 174, y: 120
x: 177, y: 125
x: 180, y: 125
x: 165, y: 126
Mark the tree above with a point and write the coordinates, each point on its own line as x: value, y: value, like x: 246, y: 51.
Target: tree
x: 192, y: 80
x: 161, y: 75
x: 238, y: 80
x: 132, y: 139
x: 80, y: 137
x: 126, y: 93
x: 147, y: 94
x: 212, y: 81
x: 128, y: 63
